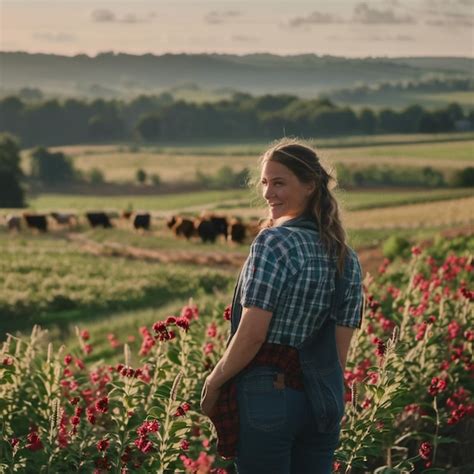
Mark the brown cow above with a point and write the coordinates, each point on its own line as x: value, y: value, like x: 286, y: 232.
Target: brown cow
x: 181, y: 226
x: 13, y: 222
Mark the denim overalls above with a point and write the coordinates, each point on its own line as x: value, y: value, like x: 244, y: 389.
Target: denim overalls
x: 283, y: 430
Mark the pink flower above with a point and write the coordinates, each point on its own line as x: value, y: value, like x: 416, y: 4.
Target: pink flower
x: 87, y: 348
x: 184, y: 445
x: 212, y: 330
x: 208, y: 348
x: 415, y: 250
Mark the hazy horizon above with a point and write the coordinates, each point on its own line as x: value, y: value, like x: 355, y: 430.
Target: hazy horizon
x: 348, y: 28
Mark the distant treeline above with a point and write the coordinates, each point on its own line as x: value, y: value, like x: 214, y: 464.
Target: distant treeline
x: 160, y: 118
x: 426, y: 86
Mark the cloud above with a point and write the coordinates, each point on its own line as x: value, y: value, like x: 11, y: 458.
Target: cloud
x: 363, y: 13
x: 54, y: 37
x: 108, y: 16
x: 216, y: 17
x: 401, y: 38
x: 314, y: 18
x: 449, y: 15
x: 245, y: 39
x: 103, y: 16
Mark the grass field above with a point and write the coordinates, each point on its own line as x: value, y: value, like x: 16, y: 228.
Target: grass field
x: 233, y: 202
x: 180, y: 163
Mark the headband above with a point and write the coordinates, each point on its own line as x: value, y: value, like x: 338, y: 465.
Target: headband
x: 297, y: 159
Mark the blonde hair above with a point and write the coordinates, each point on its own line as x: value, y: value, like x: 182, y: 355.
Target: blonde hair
x: 303, y: 161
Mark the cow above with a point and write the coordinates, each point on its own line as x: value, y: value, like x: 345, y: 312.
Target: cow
x: 13, y: 222
x: 36, y: 221
x: 206, y: 230
x: 62, y: 218
x: 98, y: 219
x: 237, y: 231
x: 142, y: 221
x: 181, y: 226
x: 126, y: 214
x: 220, y: 224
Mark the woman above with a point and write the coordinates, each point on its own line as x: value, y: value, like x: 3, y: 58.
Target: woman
x: 276, y: 395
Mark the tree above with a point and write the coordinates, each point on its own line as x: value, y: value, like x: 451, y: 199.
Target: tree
x: 51, y: 168
x: 11, y: 192
x: 141, y: 176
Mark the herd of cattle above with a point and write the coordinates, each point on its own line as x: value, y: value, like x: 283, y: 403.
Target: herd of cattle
x: 208, y: 227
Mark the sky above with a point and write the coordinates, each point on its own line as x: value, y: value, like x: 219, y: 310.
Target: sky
x: 347, y: 28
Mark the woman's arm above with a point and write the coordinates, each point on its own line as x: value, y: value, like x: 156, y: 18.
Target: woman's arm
x: 247, y: 340
x: 343, y: 341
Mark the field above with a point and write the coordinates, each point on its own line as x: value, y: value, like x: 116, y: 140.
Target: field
x: 180, y: 163
x: 116, y: 283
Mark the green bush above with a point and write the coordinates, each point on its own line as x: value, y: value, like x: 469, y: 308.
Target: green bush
x: 396, y: 246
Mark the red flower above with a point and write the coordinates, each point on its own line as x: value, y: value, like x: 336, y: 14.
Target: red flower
x: 212, y: 330
x: 183, y: 323
x: 67, y: 359
x: 103, y: 445
x: 170, y: 320
x: 437, y: 386
x: 425, y: 450
x: 228, y: 313
x: 34, y: 442
x: 87, y: 348
x: 159, y: 326
x: 7, y: 361
x: 102, y: 405
x: 85, y: 335
x: 184, y: 445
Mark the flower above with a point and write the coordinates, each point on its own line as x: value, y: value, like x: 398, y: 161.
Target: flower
x: 85, y: 335
x: 184, y: 444
x: 425, y: 450
x: 103, y: 445
x: 67, y: 359
x: 437, y: 386
x: 34, y: 442
x: 228, y: 313
x: 102, y: 405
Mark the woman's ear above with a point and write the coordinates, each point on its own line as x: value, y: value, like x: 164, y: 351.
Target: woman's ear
x: 311, y: 187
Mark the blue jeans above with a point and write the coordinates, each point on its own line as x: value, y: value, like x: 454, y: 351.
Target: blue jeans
x: 278, y: 434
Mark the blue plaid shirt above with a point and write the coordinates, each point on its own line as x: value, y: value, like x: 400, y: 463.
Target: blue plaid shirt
x: 289, y: 273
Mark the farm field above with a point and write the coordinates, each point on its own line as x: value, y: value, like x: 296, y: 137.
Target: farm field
x: 231, y: 201
x: 180, y: 164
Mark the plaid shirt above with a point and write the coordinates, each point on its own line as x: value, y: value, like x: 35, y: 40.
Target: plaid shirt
x: 289, y: 273
x: 225, y: 414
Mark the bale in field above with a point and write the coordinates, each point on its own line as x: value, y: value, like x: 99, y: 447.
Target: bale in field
x: 237, y: 231
x: 36, y: 221
x: 98, y: 219
x: 13, y: 222
x: 142, y: 221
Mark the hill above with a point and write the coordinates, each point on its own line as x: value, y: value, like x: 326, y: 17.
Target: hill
x: 125, y: 75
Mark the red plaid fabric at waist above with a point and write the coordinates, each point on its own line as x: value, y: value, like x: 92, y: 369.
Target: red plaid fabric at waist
x: 225, y: 416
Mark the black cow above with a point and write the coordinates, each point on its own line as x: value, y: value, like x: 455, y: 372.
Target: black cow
x: 206, y: 230
x: 98, y: 219
x: 36, y: 221
x: 13, y: 222
x: 220, y: 225
x: 142, y: 221
x: 237, y: 231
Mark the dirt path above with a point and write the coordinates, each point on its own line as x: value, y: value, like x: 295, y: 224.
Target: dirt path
x: 370, y: 257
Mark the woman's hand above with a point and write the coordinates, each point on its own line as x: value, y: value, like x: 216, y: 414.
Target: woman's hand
x: 209, y: 396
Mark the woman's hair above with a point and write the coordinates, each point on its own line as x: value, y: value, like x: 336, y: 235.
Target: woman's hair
x: 303, y: 161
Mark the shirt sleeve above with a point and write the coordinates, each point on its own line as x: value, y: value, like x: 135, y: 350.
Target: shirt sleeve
x: 349, y: 313
x: 265, y: 274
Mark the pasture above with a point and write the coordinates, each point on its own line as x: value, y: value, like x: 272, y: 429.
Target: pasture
x: 179, y: 164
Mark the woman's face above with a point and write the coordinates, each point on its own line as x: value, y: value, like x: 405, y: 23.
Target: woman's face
x: 285, y: 194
